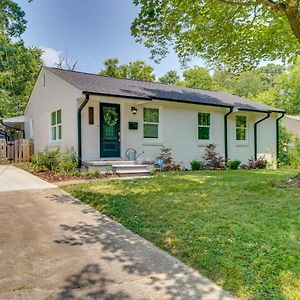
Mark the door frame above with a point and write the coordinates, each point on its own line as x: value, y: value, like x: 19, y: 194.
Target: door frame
x: 118, y: 106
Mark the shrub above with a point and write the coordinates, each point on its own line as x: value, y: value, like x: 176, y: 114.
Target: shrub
x: 197, y: 165
x: 233, y: 164
x: 260, y: 163
x: 213, y: 161
x: 172, y: 166
x: 67, y: 161
x: 168, y: 164
x: 166, y: 155
x: 46, y: 160
x: 55, y: 160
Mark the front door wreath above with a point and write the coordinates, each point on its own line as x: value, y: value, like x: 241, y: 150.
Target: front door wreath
x: 111, y: 117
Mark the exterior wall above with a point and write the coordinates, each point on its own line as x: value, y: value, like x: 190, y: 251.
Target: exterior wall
x: 178, y: 130
x: 292, y: 125
x: 56, y: 94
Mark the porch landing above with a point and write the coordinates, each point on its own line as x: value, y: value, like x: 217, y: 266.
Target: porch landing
x: 120, y: 167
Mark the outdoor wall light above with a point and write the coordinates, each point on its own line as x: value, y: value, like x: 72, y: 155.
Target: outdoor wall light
x: 134, y: 110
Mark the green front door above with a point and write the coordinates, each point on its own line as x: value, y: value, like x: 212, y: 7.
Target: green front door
x: 109, y: 130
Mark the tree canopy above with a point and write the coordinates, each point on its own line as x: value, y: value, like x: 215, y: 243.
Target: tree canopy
x: 12, y: 22
x: 171, y: 77
x: 284, y: 92
x: 19, y: 65
x: 235, y: 33
x: 197, y: 77
x: 133, y: 70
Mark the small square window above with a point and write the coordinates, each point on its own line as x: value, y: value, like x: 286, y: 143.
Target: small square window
x: 91, y: 115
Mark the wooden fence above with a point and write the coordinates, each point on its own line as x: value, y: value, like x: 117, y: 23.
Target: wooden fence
x: 17, y: 151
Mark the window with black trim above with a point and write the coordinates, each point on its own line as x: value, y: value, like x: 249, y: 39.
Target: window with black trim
x: 91, y: 115
x: 241, y: 128
x: 151, y: 123
x: 56, y: 121
x: 204, y: 122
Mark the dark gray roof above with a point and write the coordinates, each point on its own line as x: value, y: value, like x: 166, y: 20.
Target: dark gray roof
x: 104, y: 85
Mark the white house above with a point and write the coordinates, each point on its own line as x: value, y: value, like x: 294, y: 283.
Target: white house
x: 292, y: 124
x: 101, y: 117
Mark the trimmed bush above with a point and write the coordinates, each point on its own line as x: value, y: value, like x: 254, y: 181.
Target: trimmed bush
x: 233, y: 164
x: 197, y: 165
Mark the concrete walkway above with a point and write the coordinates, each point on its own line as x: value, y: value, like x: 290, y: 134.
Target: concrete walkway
x: 53, y: 246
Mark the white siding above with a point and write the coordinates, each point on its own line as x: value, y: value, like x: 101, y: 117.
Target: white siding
x: 56, y: 94
x: 292, y: 124
x: 178, y: 130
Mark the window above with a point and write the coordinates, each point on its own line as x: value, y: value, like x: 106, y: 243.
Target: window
x: 56, y: 125
x: 151, y: 123
x: 241, y: 128
x: 91, y: 115
x: 204, y: 126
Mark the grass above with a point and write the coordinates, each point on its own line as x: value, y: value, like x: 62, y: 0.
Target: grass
x: 240, y: 228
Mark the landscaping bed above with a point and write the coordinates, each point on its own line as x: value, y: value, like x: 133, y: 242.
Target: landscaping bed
x: 239, y: 228
x: 57, y: 176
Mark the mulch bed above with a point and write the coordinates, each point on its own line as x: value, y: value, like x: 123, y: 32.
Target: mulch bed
x: 51, y: 176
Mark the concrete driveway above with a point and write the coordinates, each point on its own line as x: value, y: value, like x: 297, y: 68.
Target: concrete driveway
x: 12, y: 178
x: 53, y: 246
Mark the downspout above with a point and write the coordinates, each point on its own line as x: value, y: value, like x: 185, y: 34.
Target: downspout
x: 14, y: 128
x: 277, y: 136
x: 4, y: 134
x: 255, y: 133
x: 226, y: 132
x: 81, y: 107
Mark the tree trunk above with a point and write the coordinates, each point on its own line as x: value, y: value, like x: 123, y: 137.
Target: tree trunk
x: 292, y: 13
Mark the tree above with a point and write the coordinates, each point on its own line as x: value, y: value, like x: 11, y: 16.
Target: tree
x: 133, y: 70
x: 247, y: 84
x: 198, y: 77
x: 237, y: 33
x: 12, y: 22
x: 64, y: 62
x: 170, y: 77
x: 111, y: 68
x: 19, y: 65
x: 285, y: 92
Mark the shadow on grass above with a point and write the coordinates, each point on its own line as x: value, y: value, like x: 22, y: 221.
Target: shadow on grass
x: 251, y: 252
x: 147, y: 271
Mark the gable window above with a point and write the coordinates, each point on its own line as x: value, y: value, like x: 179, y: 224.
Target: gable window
x: 91, y: 115
x: 56, y: 133
x: 241, y: 128
x: 151, y: 123
x: 204, y: 123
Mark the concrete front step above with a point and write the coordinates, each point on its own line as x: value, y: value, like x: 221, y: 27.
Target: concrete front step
x: 106, y: 166
x: 108, y: 162
x: 127, y: 170
x: 128, y: 173
x: 130, y: 167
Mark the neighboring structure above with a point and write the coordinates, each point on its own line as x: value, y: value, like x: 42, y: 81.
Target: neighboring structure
x: 292, y: 124
x: 101, y: 117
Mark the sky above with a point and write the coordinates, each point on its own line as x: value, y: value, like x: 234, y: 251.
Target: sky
x: 89, y: 31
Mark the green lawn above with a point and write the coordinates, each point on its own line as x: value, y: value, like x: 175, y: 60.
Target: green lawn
x: 239, y: 228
